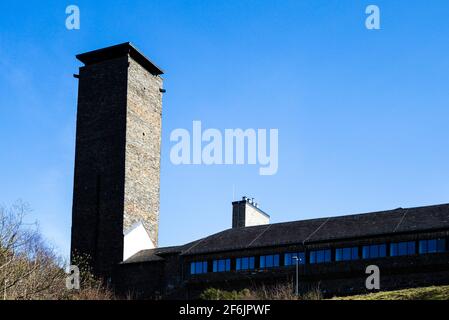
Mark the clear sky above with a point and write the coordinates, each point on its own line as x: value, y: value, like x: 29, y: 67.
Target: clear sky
x: 362, y: 114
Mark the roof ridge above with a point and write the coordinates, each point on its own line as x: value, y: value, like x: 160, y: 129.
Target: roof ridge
x: 400, y: 221
x: 257, y: 237
x: 194, y: 245
x: 316, y: 230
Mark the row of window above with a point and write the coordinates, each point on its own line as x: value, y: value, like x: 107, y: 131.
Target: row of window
x: 222, y: 265
x: 246, y: 263
x: 323, y: 256
x: 346, y: 254
x: 320, y: 256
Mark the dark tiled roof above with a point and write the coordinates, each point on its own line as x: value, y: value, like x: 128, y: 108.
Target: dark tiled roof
x: 147, y: 255
x: 324, y: 229
x: 156, y: 254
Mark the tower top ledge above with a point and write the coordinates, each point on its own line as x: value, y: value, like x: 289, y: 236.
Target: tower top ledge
x: 116, y: 51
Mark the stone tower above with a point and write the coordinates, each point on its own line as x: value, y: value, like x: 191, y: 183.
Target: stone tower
x: 117, y: 160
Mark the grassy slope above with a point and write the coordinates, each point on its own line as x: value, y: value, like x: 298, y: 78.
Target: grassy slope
x: 427, y: 293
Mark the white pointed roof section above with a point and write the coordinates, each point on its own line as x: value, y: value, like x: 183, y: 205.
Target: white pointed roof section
x: 136, y: 239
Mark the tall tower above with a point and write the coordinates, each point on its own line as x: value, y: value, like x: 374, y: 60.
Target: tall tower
x: 117, y: 159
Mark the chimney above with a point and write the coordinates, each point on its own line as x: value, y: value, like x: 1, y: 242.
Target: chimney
x: 246, y: 213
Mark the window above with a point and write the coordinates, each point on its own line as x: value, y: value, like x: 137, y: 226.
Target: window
x: 432, y: 246
x: 289, y: 258
x: 320, y: 256
x: 270, y: 261
x: 245, y: 263
x: 222, y: 265
x: 198, y: 267
x: 402, y: 249
x: 374, y: 251
x: 346, y: 254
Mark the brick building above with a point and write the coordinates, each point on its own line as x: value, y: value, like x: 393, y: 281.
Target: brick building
x: 116, y: 210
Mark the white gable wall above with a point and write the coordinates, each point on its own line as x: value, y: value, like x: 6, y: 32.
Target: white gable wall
x: 254, y: 217
x: 135, y: 240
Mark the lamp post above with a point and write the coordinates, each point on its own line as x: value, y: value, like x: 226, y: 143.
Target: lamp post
x: 297, y: 274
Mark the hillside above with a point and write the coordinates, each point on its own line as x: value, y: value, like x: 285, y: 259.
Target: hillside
x: 426, y: 293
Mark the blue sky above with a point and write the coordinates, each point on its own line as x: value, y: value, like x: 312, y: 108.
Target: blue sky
x: 362, y: 115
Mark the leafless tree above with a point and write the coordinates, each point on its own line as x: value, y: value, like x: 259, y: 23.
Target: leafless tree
x: 29, y: 267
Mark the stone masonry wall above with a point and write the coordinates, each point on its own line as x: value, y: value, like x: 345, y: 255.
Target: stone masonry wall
x: 143, y: 148
x: 97, y: 228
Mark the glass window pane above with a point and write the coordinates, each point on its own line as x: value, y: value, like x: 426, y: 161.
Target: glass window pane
x: 402, y: 248
x: 422, y: 246
x: 192, y: 268
x: 383, y: 250
x: 346, y: 254
x: 312, y: 257
x: 319, y: 256
x: 276, y: 260
x: 237, y: 264
x: 269, y: 261
x: 251, y: 263
x: 355, y: 253
x: 288, y: 259
x: 394, y: 249
x: 431, y: 246
x: 374, y: 251
x: 365, y: 252
x: 411, y: 247
x: 338, y: 255
x: 262, y: 261
x: 441, y: 245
